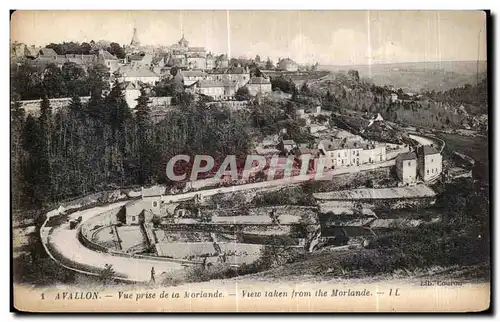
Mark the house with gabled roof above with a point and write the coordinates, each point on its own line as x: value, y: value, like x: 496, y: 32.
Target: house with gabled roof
x: 259, y: 85
x: 406, y: 168
x: 108, y: 60
x: 137, y: 75
x: 48, y: 52
x: 430, y: 162
x: 192, y: 76
x: 131, y: 91
x: 141, y: 59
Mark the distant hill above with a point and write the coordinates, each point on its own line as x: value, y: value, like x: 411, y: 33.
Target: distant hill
x: 419, y: 76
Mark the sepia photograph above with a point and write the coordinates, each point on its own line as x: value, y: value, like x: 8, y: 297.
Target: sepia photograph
x: 250, y: 161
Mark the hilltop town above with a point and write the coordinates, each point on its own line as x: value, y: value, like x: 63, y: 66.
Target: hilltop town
x: 95, y: 124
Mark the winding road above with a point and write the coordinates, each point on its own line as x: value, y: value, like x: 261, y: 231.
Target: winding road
x: 66, y: 242
x: 135, y: 269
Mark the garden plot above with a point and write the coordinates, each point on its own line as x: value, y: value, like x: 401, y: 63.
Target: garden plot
x: 275, y: 230
x: 165, y: 236
x: 326, y: 208
x: 232, y: 253
x: 255, y: 220
x: 105, y: 237
x: 418, y: 191
x: 130, y: 237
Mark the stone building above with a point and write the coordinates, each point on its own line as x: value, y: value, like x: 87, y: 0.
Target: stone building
x: 430, y: 162
x: 406, y: 168
x: 259, y: 85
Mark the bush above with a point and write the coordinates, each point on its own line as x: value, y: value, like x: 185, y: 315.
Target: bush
x: 286, y: 196
x: 242, y: 94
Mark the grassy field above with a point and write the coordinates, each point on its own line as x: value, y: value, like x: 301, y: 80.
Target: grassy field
x: 475, y: 147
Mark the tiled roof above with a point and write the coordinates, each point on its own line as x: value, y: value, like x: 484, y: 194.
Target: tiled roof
x: 236, y: 70
x: 32, y: 51
x: 217, y: 71
x: 137, y: 72
x: 192, y: 73
x: 136, y: 57
x: 153, y: 191
x: 134, y: 208
x: 308, y: 151
x: 339, y: 145
x: 196, y: 49
x: 48, y: 52
x: 157, y: 60
x: 407, y: 156
x: 129, y: 86
x: 106, y: 55
x: 427, y: 150
x: 81, y: 59
x: 195, y: 56
x: 259, y: 80
x: 289, y: 142
x: 212, y: 83
x: 331, y: 145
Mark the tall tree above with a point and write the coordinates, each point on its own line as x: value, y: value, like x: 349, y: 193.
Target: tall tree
x: 269, y: 64
x: 37, y: 187
x: 17, y: 115
x: 117, y: 50
x: 144, y: 138
x: 53, y: 82
x: 75, y: 79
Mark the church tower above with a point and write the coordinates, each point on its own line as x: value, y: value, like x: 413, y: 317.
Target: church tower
x: 183, y: 42
x: 135, y: 43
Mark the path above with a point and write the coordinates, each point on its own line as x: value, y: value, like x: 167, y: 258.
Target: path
x: 429, y: 140
x: 136, y: 269
x: 66, y: 241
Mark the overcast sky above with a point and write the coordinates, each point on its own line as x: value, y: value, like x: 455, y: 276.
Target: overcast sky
x: 328, y: 37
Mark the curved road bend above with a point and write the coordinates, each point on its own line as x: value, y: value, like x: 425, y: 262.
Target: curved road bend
x: 135, y: 269
x: 138, y: 269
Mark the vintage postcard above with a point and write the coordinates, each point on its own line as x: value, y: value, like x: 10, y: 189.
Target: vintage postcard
x: 250, y: 161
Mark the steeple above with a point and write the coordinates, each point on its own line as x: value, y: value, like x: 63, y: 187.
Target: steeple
x: 135, y: 40
x: 183, y: 42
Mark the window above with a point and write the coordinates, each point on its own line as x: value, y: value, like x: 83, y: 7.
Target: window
x: 353, y: 152
x: 133, y: 218
x: 427, y: 171
x: 339, y: 154
x: 357, y: 154
x: 155, y: 203
x: 409, y: 163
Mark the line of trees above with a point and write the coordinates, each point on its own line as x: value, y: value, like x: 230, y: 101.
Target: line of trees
x: 435, y: 110
x: 86, y: 48
x: 102, y: 144
x: 72, y: 79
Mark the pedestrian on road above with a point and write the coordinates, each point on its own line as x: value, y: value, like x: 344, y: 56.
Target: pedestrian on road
x: 204, y: 262
x: 153, y: 275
